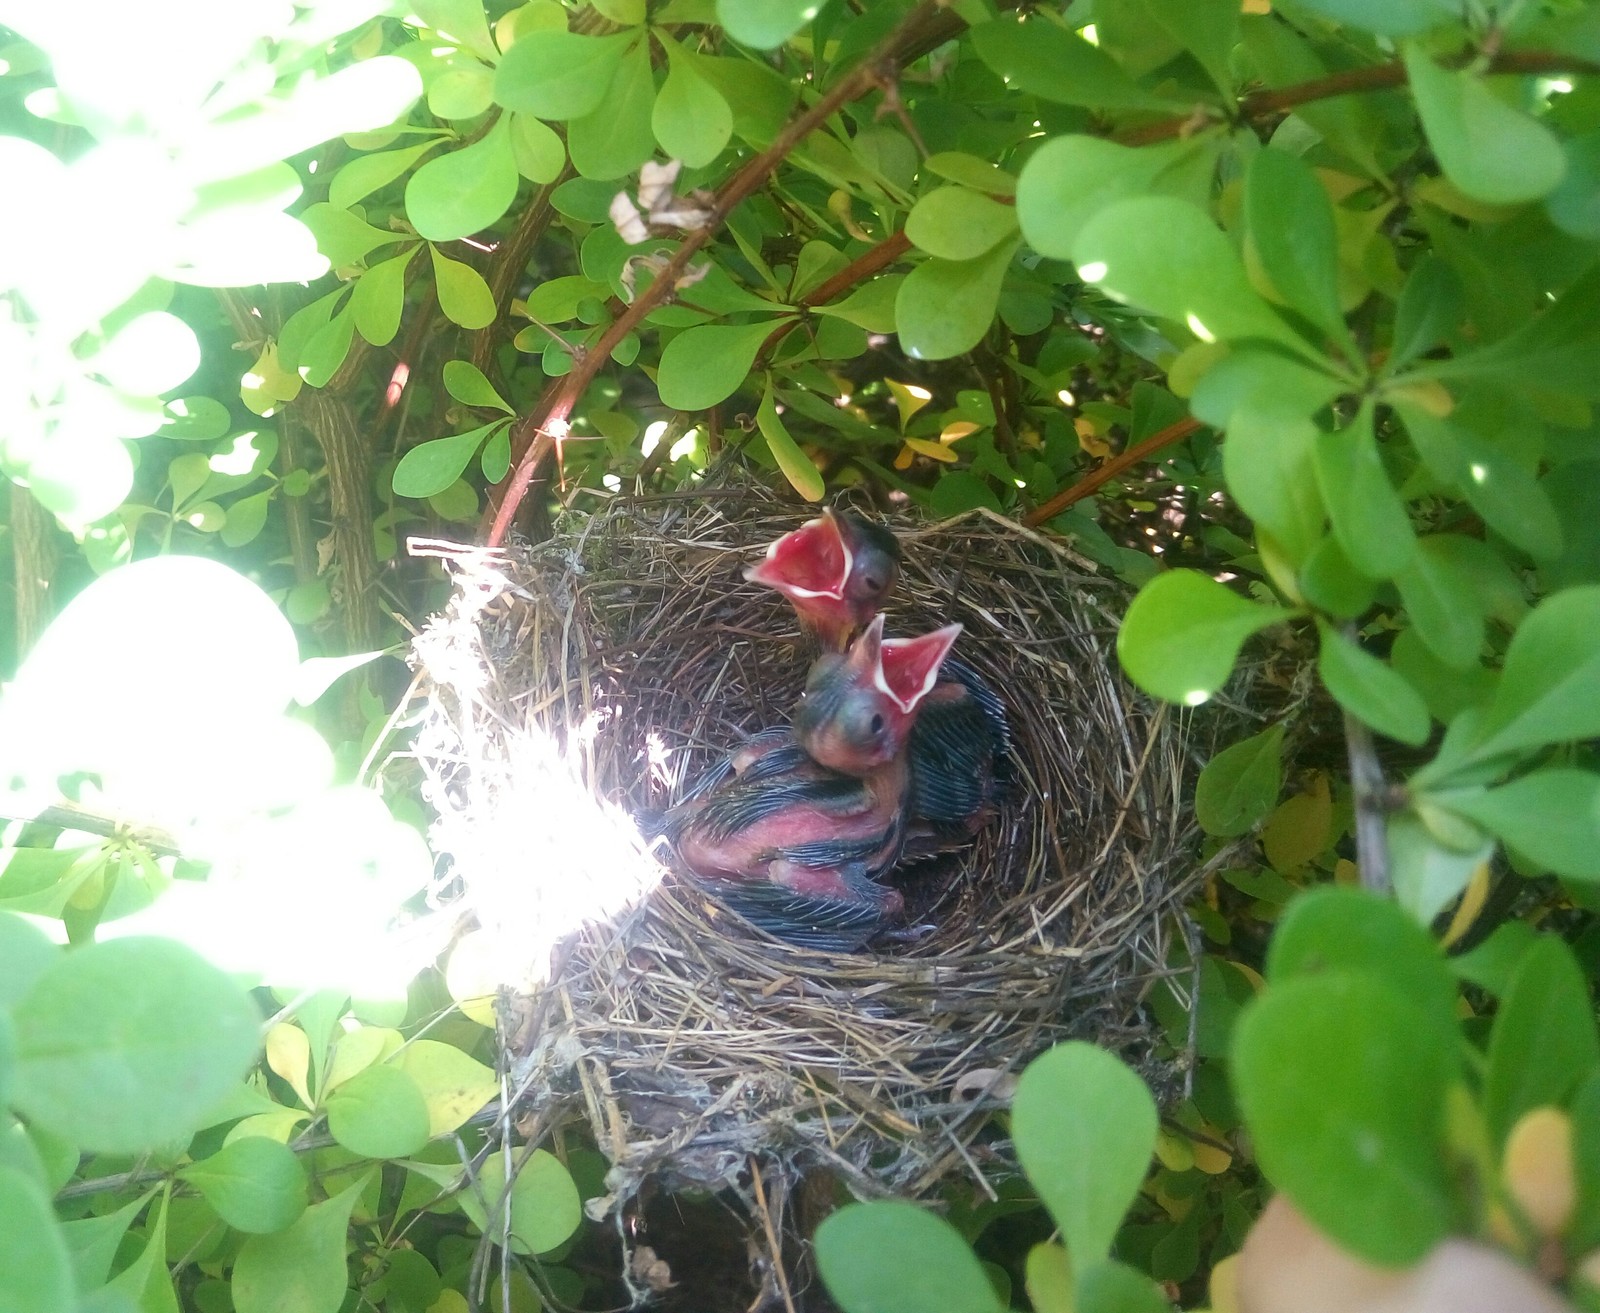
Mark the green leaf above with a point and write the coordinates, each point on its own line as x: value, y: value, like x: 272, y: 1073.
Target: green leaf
x: 1440, y: 595
x: 1266, y: 403
x: 380, y: 297
x: 1166, y: 256
x: 1292, y: 233
x: 1429, y: 310
x: 454, y: 1086
x: 1574, y: 206
x: 893, y: 1257
x: 24, y: 948
x: 301, y: 1268
x: 1492, y: 152
x: 1048, y: 61
x: 463, y: 295
x: 462, y: 92
x: 369, y: 173
x: 970, y: 171
x: 956, y: 224
x: 1333, y: 929
x: 465, y: 191
x: 1558, y: 343
x: 545, y: 1207
x: 539, y: 152
x: 466, y: 383
x: 1342, y: 1081
x: 343, y: 237
x: 126, y: 1045
x: 246, y: 519
x: 1113, y: 1287
x: 379, y: 1113
x: 461, y: 22
x: 94, y: 1241
x: 691, y: 119
x: 944, y: 307
x: 1207, y: 29
x: 1500, y: 489
x: 1049, y: 1279
x: 35, y: 1268
x: 1071, y: 178
x: 555, y: 74
x: 1183, y: 632
x: 1427, y: 876
x: 797, y: 467
x: 764, y: 24
x: 256, y: 1185
x: 1549, y: 691
x: 1584, y: 1233
x: 1543, y: 1042
x: 617, y: 138
x: 1370, y: 689
x: 706, y: 364
x: 1552, y: 816
x: 1330, y: 583
x: 1240, y: 785
x: 870, y: 307
x: 1085, y: 1126
x: 1387, y: 17
x: 431, y: 467
x: 958, y: 492
x: 1368, y: 517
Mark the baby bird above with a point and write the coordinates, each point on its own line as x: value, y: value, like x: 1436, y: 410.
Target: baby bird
x: 797, y: 850
x: 836, y: 572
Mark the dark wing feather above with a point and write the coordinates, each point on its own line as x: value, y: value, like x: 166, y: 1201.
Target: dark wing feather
x: 829, y: 924
x: 742, y: 805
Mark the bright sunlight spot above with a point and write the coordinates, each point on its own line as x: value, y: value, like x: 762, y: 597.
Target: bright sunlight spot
x: 1199, y: 329
x: 1090, y: 34
x: 1196, y: 697
x: 685, y: 445
x: 1480, y: 473
x: 652, y: 436
x: 1066, y: 398
x: 1092, y: 272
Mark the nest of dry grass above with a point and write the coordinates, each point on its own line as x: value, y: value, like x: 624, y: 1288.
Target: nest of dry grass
x: 593, y: 674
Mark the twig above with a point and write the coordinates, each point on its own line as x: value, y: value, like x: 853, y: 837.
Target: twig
x: 1367, y: 783
x: 1113, y: 467
x: 885, y: 253
x: 549, y: 417
x: 69, y: 816
x: 772, y: 1236
x: 1351, y: 81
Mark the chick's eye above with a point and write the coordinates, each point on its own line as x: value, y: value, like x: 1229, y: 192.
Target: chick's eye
x: 872, y: 583
x: 877, y: 723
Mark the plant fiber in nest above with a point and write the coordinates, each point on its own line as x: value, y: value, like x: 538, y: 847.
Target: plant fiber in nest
x: 599, y: 672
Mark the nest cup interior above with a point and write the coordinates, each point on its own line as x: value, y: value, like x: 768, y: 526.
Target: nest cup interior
x: 692, y: 1040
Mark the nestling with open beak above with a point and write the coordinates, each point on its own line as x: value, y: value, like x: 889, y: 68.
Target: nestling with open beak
x: 836, y: 572
x: 798, y: 851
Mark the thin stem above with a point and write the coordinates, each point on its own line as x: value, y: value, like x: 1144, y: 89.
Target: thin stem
x: 1351, y: 81
x: 1113, y: 467
x: 1367, y: 782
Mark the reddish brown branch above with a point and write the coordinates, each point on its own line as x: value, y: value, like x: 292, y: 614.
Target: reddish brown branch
x: 1352, y: 81
x: 1113, y: 467
x: 860, y: 269
x: 556, y: 404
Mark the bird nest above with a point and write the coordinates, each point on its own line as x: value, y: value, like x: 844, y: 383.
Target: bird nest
x: 574, y: 682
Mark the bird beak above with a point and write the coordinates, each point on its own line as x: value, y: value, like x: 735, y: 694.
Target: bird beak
x: 908, y: 668
x: 810, y: 563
